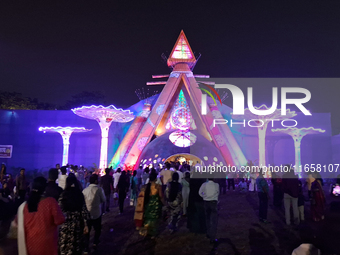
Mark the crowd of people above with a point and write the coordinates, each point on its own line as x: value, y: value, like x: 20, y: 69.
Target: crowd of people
x: 56, y: 215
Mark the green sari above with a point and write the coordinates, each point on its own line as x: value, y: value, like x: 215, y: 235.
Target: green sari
x: 152, y: 214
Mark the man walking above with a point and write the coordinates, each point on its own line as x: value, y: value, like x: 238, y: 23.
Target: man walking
x: 209, y: 191
x: 62, y: 177
x: 290, y: 186
x: 106, y: 183
x: 21, y: 185
x: 263, y: 193
x: 94, y: 197
x: 116, y: 177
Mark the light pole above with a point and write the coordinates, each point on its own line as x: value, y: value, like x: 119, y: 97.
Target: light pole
x: 104, y: 116
x: 65, y: 133
x: 297, y: 134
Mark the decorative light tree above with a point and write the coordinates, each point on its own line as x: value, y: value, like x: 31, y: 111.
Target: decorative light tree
x: 262, y: 124
x: 297, y: 134
x: 104, y: 116
x: 66, y: 133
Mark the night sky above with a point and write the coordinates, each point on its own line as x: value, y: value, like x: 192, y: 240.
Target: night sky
x: 52, y: 51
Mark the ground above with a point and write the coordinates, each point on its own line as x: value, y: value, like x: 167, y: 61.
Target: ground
x: 239, y: 232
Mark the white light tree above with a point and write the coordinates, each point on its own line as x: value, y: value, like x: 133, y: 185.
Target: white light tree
x: 65, y: 133
x: 297, y: 134
x: 104, y: 116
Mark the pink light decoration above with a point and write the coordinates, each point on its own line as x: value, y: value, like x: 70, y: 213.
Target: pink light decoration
x: 104, y: 116
x: 155, y: 83
x: 181, y: 53
x: 160, y: 76
x: 182, y: 50
x: 336, y: 190
x: 201, y: 76
x: 265, y: 119
x: 297, y: 134
x: 65, y: 133
x: 182, y: 138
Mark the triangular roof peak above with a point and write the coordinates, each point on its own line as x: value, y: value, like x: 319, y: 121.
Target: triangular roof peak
x: 181, y: 53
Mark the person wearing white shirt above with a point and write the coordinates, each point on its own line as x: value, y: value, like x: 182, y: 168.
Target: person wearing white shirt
x: 62, y: 178
x: 116, y: 177
x: 166, y: 175
x: 94, y: 197
x: 209, y: 191
x: 180, y: 174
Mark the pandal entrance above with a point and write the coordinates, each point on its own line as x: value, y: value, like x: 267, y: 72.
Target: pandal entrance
x: 189, y: 158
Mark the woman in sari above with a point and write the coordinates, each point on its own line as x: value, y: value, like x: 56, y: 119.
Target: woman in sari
x: 318, y: 198
x: 72, y: 204
x: 149, y: 207
x: 174, y: 198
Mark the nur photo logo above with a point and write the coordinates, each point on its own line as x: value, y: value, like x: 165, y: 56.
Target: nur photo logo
x: 238, y: 99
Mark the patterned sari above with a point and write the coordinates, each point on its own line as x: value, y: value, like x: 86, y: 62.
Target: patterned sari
x: 71, y: 232
x: 174, y: 207
x: 148, y: 215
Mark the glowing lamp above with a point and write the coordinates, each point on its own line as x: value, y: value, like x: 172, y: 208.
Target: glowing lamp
x: 65, y: 133
x: 297, y: 134
x: 336, y: 190
x: 182, y: 138
x: 104, y: 116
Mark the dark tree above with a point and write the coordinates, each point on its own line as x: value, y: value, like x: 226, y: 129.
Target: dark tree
x: 16, y: 101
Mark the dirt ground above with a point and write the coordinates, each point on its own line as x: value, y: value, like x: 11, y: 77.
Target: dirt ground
x: 239, y: 232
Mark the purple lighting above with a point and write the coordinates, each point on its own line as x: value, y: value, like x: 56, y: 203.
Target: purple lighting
x: 65, y: 133
x: 297, y: 134
x: 262, y: 129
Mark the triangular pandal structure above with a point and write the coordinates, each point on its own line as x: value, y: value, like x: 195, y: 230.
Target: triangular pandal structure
x: 152, y: 123
x: 181, y: 53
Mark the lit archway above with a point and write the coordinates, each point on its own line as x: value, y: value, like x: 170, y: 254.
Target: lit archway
x: 180, y: 157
